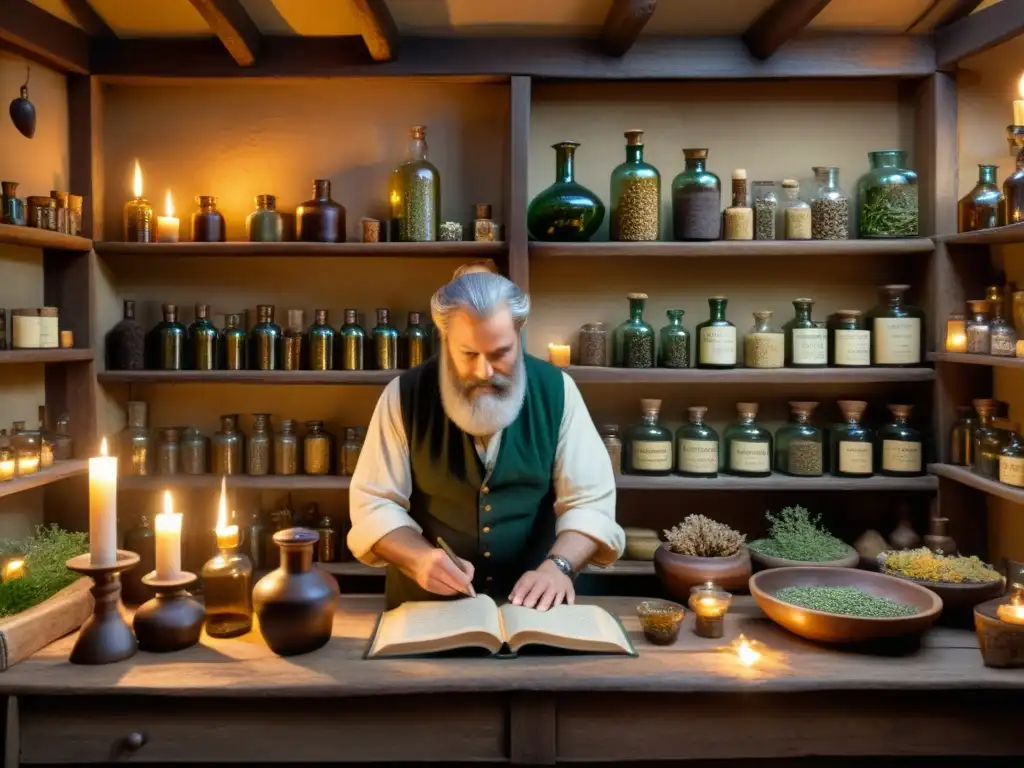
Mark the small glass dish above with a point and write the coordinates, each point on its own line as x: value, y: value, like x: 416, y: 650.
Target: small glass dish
x: 660, y: 621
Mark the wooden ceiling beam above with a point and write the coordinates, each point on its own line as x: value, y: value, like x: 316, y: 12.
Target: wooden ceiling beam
x: 233, y: 26
x: 44, y: 37
x: 625, y: 21
x: 379, y: 31
x: 781, y: 22
x: 87, y: 18
x: 941, y: 14
x: 978, y: 32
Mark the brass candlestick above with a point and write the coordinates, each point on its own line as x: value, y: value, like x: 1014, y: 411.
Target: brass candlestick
x: 105, y: 637
x: 172, y: 620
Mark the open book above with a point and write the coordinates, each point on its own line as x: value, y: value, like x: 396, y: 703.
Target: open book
x: 422, y: 628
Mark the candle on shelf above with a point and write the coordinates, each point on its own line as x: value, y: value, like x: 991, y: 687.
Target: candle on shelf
x: 227, y: 535
x: 1013, y: 611
x: 1020, y: 348
x: 167, y: 225
x: 559, y: 354
x: 168, y: 542
x: 138, y: 213
x: 103, y: 508
x: 709, y: 603
x: 14, y: 568
x: 1018, y: 105
x: 28, y: 464
x: 6, y: 464
x: 956, y: 333
x: 746, y: 652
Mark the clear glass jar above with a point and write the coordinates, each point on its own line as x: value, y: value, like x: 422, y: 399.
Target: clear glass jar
x: 797, y: 212
x: 1002, y: 335
x: 264, y: 225
x: 852, y: 452
x: 286, y: 449
x: 316, y: 449
x: 716, y: 338
x: 613, y: 444
x: 168, y: 451
x: 764, y: 346
x: 738, y: 220
x: 830, y: 207
x: 194, y: 452
x: 979, y: 336
x: 696, y: 200
x: 748, y: 445
x: 806, y: 343
x: 961, y: 437
x: 26, y: 447
x: 636, y: 195
x: 136, y: 450
x: 634, y: 339
x: 887, y: 196
x: 850, y: 342
x: 900, y: 451
x: 207, y: 221
x: 228, y: 447
x: 696, y: 446
x: 648, y: 445
x: 674, y: 342
x: 259, y: 446
x: 897, y: 329
x: 351, y: 449
x: 766, y: 210
x: 799, y: 445
x: 594, y: 344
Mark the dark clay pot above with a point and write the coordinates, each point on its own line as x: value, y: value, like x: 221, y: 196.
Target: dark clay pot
x: 295, y: 604
x: 169, y: 622
x: 678, y: 573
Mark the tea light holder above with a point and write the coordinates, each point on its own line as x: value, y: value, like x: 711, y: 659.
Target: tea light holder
x: 105, y: 636
x: 1000, y: 627
x: 709, y: 604
x: 956, y: 333
x: 173, y: 619
x: 560, y: 355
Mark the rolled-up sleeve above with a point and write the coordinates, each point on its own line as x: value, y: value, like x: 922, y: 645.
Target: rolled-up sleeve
x: 584, y: 481
x: 382, y: 483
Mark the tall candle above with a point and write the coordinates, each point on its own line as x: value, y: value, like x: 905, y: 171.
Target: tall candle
x: 168, y: 541
x: 167, y: 225
x: 227, y: 535
x: 1018, y: 105
x: 103, y: 508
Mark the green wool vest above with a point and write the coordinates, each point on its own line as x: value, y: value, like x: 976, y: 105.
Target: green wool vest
x: 501, y: 519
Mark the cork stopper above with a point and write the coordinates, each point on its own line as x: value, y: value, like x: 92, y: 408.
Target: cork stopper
x: 790, y: 184
x: 739, y: 174
x: 764, y: 315
x: 137, y: 413
x: 849, y: 314
x: 287, y: 426
x: 383, y: 316
x: 809, y: 302
x: 171, y: 434
x: 695, y: 154
x: 414, y: 318
x: 636, y: 296
x: 170, y: 312
x: 634, y: 137
x: 266, y: 201
x: 985, y: 407
x: 296, y: 319
x: 206, y: 201
x: 853, y: 410
x: 747, y: 410
x: 650, y: 406
x: 979, y: 306
x: 418, y: 132
x: 350, y: 316
x: 227, y: 422
x: 296, y: 537
x: 321, y: 316
x: 233, y: 321
x: 482, y: 211
x: 802, y: 408
x: 202, y: 311
x: 901, y: 412
x: 697, y: 413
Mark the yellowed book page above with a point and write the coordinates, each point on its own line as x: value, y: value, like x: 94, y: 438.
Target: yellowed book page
x: 436, y: 626
x: 573, y: 627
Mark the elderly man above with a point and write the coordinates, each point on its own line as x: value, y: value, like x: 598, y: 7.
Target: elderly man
x: 490, y: 449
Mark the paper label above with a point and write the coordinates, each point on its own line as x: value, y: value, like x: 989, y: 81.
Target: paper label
x: 718, y: 345
x: 853, y: 347
x: 764, y: 350
x: 698, y: 456
x: 749, y: 457
x: 810, y: 346
x: 1011, y: 470
x: 25, y: 332
x: 49, y: 334
x: 652, y: 456
x: 898, y: 456
x: 897, y: 340
x: 1003, y: 344
x: 855, y: 458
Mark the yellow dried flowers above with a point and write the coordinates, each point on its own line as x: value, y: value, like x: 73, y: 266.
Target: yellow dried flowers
x: 924, y: 565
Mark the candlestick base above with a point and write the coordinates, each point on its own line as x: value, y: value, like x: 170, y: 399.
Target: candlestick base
x: 105, y: 637
x: 171, y: 621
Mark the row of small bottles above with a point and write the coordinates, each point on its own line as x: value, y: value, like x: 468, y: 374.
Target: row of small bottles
x: 891, y: 334
x: 748, y: 449
x: 989, y: 445
x: 987, y: 327
x: 24, y: 452
x: 987, y: 205
x: 171, y: 346
x: 230, y: 451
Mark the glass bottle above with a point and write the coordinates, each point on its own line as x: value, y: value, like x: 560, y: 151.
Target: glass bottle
x: 414, y: 342
x: 264, y: 225
x: 852, y: 443
x: 613, y: 444
x: 1013, y: 192
x: 292, y: 352
x: 321, y: 342
x: 141, y: 540
x: 988, y: 440
x: 899, y: 445
x: 897, y: 329
x: 265, y: 341
x: 207, y: 221
x: 1002, y: 336
x: 136, y: 452
x: 350, y: 450
x: 13, y: 210
x: 766, y: 210
x: 648, y: 445
x: 385, y: 342
x: 566, y: 211
x: 227, y: 589
x: 696, y: 200
x: 126, y: 342
x: 979, y: 208
x: 979, y: 337
x: 194, y: 452
x: 415, y: 192
x: 63, y: 445
x: 320, y: 220
x: 887, y: 196
x: 26, y: 449
x: 286, y: 449
x: 806, y: 343
x: 593, y: 344
x: 203, y: 341
x: 168, y: 451
x: 45, y: 438
x: 485, y: 229
x: 353, y: 341
x: 316, y: 449
x: 166, y: 342
x: 234, y: 345
x: 739, y: 217
x: 799, y: 445
x: 1011, y: 463
x: 696, y: 446
x: 850, y: 342
x: 961, y: 437
x: 748, y: 445
x: 259, y: 446
x: 634, y: 339
x: 830, y: 207
x: 635, y: 195
x: 716, y: 337
x: 227, y: 447
x: 764, y: 346
x: 674, y: 342
x: 797, y: 215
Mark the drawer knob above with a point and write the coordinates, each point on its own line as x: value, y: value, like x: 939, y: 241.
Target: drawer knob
x: 135, y: 741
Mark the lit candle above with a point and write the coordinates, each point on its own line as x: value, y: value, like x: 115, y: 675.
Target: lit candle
x: 709, y: 603
x: 227, y: 535
x: 6, y: 465
x: 1020, y: 350
x: 28, y: 464
x: 167, y: 225
x: 745, y: 652
x: 103, y: 508
x: 14, y: 569
x: 1018, y: 105
x: 138, y: 213
x: 956, y: 334
x: 1013, y: 611
x: 168, y: 542
x: 559, y: 354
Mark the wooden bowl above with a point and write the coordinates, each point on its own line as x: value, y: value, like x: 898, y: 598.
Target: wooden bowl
x: 960, y: 597
x: 833, y: 628
x: 851, y: 560
x: 680, y: 572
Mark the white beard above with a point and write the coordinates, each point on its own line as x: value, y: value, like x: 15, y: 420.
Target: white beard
x: 485, y: 413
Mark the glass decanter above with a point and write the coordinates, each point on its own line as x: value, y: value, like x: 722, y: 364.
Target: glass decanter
x: 799, y: 444
x: 748, y: 445
x: 648, y: 445
x: 806, y: 342
x: 415, y: 193
x: 900, y: 450
x: 674, y: 342
x: 716, y: 337
x: 697, y: 446
x: 634, y: 339
x: 636, y: 196
x: 566, y: 211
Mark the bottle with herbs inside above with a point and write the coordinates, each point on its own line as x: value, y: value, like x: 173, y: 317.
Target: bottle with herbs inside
x: 900, y: 450
x: 635, y: 195
x: 766, y: 210
x: 897, y: 329
x: 384, y: 337
x: 674, y: 342
x: 977, y: 327
x: 806, y: 342
x: 961, y: 437
x: 887, y: 196
x: 320, y: 342
x: 227, y: 447
x: 716, y: 338
x: 764, y: 346
x: 415, y: 192
x: 593, y: 344
x: 634, y: 339
x: 1002, y: 336
x: 259, y: 446
x: 979, y: 208
x: 286, y: 449
x: 415, y: 343
x: 613, y: 444
x: 739, y: 217
x: 830, y: 207
x: 849, y: 342
x: 352, y: 340
x: 696, y: 446
x: 234, y: 344
x: 648, y: 445
x: 126, y: 342
x: 799, y: 445
x: 265, y: 341
x: 696, y: 200
x: 165, y: 345
x: 203, y: 341
x: 852, y: 443
x: 293, y: 353
x: 748, y: 445
x: 316, y: 449
x: 797, y: 213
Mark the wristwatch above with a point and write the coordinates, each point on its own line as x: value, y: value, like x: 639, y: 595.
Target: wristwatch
x: 563, y: 565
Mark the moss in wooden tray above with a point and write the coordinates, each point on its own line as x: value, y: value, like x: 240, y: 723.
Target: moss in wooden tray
x: 924, y: 565
x: 45, y: 554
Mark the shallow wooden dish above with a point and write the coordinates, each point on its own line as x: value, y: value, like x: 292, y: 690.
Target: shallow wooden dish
x: 852, y: 560
x: 832, y: 628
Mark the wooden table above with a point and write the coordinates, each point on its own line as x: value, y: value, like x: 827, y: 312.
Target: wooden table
x: 232, y: 700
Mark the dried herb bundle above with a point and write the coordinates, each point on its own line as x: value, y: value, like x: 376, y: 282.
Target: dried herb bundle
x: 795, y: 535
x: 924, y: 565
x: 699, y: 536
x: 45, y: 554
x: 889, y: 212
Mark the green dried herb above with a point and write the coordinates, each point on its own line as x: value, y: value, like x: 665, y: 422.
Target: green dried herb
x: 45, y: 554
x: 795, y: 535
x: 844, y: 601
x: 889, y: 212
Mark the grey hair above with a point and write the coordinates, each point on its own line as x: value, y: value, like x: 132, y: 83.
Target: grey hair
x: 481, y: 293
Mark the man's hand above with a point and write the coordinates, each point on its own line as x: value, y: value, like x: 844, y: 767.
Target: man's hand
x: 543, y: 588
x: 435, y: 572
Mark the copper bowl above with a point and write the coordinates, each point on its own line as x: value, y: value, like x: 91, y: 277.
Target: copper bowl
x: 678, y: 573
x: 834, y: 628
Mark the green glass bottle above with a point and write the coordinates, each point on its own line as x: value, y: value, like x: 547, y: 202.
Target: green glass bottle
x: 634, y: 339
x: 987, y: 440
x: 648, y: 445
x: 748, y: 445
x: 414, y: 343
x: 203, y: 341
x: 799, y: 445
x: 979, y: 208
x: 674, y: 342
x: 320, y: 342
x: 384, y: 338
x: 1012, y: 210
x: 264, y: 225
x: 806, y: 343
x: 635, y: 195
x: 234, y: 345
x: 887, y: 196
x: 897, y: 329
x: 852, y: 443
x: 566, y: 211
x: 352, y: 339
x: 900, y: 451
x: 696, y: 446
x: 716, y: 337
x: 696, y: 200
x: 415, y: 193
x: 265, y: 341
x: 167, y: 341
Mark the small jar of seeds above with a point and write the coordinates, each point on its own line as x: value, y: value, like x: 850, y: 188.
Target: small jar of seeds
x: 797, y: 216
x: 766, y: 208
x: 594, y: 344
x: 830, y: 208
x: 636, y: 195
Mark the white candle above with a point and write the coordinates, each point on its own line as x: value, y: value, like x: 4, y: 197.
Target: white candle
x: 168, y: 541
x: 167, y: 225
x: 103, y: 508
x: 1018, y: 105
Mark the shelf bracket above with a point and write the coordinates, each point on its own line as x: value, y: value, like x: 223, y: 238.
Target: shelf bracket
x: 233, y: 26
x: 781, y: 22
x: 625, y: 21
x: 379, y: 31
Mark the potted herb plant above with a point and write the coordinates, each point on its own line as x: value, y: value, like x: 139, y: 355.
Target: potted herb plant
x: 797, y: 538
x: 698, y: 550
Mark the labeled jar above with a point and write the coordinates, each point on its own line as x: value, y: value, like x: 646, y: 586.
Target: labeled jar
x: 1011, y: 464
x: 748, y: 445
x: 207, y: 221
x: 35, y: 328
x: 648, y: 445
x: 1002, y: 336
x: 316, y: 449
x: 851, y: 341
x: 593, y: 347
x: 852, y: 442
x: 901, y: 451
x: 806, y: 341
x: 977, y: 328
x: 764, y: 346
x: 766, y: 210
x: 696, y: 446
x: 716, y: 337
x: 897, y: 329
x: 797, y: 215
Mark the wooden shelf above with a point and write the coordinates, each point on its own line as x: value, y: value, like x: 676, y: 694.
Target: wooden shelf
x: 583, y: 374
x: 61, y: 470
x: 19, y: 356
x: 966, y: 476
x: 777, y: 482
x: 247, y: 377
x: 619, y: 568
x: 465, y: 249
x: 30, y: 237
x: 1012, y: 233
x: 749, y: 248
x: 990, y: 360
x: 254, y: 482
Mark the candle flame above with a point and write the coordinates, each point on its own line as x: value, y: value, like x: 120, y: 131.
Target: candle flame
x: 169, y: 205
x: 137, y: 180
x: 168, y: 505
x: 13, y: 566
x: 222, y: 508
x: 103, y: 447
x: 746, y: 653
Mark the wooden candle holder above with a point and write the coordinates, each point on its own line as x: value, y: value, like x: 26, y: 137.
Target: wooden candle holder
x: 1002, y: 643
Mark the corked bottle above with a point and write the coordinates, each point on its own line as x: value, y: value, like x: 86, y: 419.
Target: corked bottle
x: 850, y: 343
x: 234, y: 345
x: 166, y: 342
x: 126, y: 342
x: 207, y: 221
x: 900, y: 453
x: 739, y: 217
x: 353, y: 342
x: 764, y: 346
x: 613, y: 444
x: 292, y: 341
x: 264, y: 225
x: 227, y: 445
x: 320, y: 220
x: 636, y: 195
x: 320, y: 343
x: 799, y: 445
x: 385, y: 342
x: 696, y: 200
x: 265, y: 341
x: 797, y: 216
x: 414, y: 342
x: 286, y: 449
x: 696, y: 446
x: 203, y: 341
x: 259, y: 446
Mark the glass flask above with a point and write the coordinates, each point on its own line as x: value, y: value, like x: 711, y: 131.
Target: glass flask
x: 887, y: 196
x: 384, y: 337
x: 738, y: 219
x: 194, y: 452
x: 716, y: 337
x: 566, y: 211
x: 63, y: 445
x: 830, y: 207
x: 352, y: 340
x: 165, y: 344
x: 227, y: 447
x: 227, y: 589
x: 980, y: 208
x: 766, y: 210
x: 797, y: 213
x: 1002, y: 335
x: 897, y: 329
x: 321, y: 342
x: 316, y: 449
x: 286, y: 449
x: 900, y: 451
x: 414, y: 344
x: 764, y: 346
x: 613, y: 444
x: 977, y: 328
x: 648, y: 445
x: 259, y: 446
x: 748, y: 445
x: 853, y: 444
x: 799, y: 445
x: 350, y: 450
x: 635, y: 195
x: 988, y: 440
x: 696, y: 200
x: 806, y: 342
x: 293, y: 341
x: 415, y: 193
x: 1011, y: 463
x: 674, y: 342
x: 234, y: 344
x: 696, y: 446
x: 320, y: 219
x: 136, y: 448
x: 207, y: 221
x: 265, y: 341
x: 634, y: 339
x: 168, y: 451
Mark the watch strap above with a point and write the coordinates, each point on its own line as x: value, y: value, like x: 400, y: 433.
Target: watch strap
x: 563, y: 565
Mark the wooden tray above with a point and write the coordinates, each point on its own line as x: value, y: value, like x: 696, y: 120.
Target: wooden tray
x: 29, y: 631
